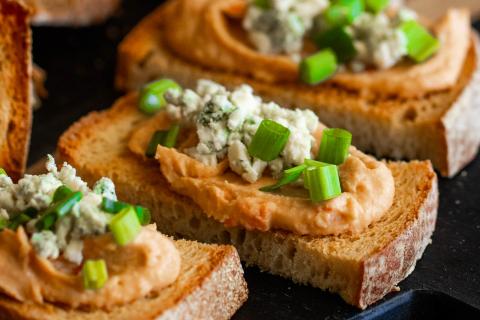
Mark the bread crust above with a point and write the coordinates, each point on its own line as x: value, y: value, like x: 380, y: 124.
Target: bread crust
x: 71, y: 12
x: 15, y: 87
x: 439, y: 127
x: 308, y: 260
x: 195, y: 294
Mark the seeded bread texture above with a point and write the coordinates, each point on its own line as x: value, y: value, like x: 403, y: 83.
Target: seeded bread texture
x: 441, y: 126
x: 362, y: 268
x: 71, y: 12
x: 210, y: 286
x: 15, y: 86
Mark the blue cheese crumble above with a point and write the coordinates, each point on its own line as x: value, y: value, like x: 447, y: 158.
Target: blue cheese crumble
x: 36, y: 191
x: 281, y: 28
x: 226, y: 121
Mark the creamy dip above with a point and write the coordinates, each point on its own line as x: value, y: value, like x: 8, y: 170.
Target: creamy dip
x: 229, y: 192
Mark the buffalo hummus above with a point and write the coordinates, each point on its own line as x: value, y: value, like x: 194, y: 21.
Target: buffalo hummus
x: 232, y: 197
x: 43, y: 264
x: 210, y: 33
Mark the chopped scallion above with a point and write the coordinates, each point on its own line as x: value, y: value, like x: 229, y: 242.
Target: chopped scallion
x: 165, y: 138
x: 95, y: 274
x: 339, y: 40
x: 58, y: 210
x: 376, y: 6
x: 334, y: 146
x: 125, y: 226
x: 18, y: 220
x: 61, y: 193
x: 289, y: 176
x: 3, y: 172
x: 318, y: 67
x: 3, y: 223
x: 152, y: 95
x: 112, y: 206
x: 143, y: 214
x: 421, y: 45
x: 263, y: 4
x: 342, y: 12
x: 269, y: 140
x: 323, y: 182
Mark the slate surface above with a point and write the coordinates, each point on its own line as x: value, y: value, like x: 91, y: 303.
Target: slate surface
x: 80, y: 65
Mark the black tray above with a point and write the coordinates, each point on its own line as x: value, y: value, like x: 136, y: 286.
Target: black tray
x: 446, y: 282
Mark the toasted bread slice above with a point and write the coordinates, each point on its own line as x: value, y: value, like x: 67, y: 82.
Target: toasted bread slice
x: 362, y: 269
x: 441, y: 126
x: 15, y: 86
x: 210, y: 286
x: 71, y: 12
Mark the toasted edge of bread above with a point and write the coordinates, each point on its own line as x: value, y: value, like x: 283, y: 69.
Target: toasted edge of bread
x: 450, y: 138
x: 210, y: 286
x: 97, y: 146
x: 71, y: 13
x: 15, y: 87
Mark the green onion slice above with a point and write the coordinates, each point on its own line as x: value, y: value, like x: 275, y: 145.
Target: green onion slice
x: 61, y: 193
x: 339, y: 40
x: 18, y: 220
x: 95, y: 274
x: 323, y: 182
x: 3, y: 223
x: 269, y: 140
x: 3, y: 172
x: 421, y: 45
x: 143, y: 214
x: 334, y: 146
x: 318, y: 67
x: 376, y: 6
x: 58, y: 210
x: 343, y: 12
x: 112, y: 206
x: 263, y: 4
x: 289, y: 176
x: 152, y: 95
x: 165, y: 138
x: 125, y: 226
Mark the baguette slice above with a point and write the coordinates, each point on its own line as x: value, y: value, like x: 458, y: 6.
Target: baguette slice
x: 441, y: 126
x: 71, y: 12
x: 362, y: 269
x: 210, y: 286
x: 15, y: 87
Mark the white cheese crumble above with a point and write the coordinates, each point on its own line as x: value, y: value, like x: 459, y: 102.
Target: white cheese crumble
x: 36, y: 191
x: 282, y: 27
x: 45, y: 244
x: 378, y: 40
x: 226, y: 122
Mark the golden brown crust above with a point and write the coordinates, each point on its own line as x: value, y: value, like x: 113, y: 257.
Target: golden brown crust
x: 15, y: 75
x: 434, y: 127
x: 399, y: 237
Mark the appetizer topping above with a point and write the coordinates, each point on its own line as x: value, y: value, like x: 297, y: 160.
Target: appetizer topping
x: 166, y: 138
x: 152, y: 95
x: 318, y: 67
x: 279, y: 26
x: 229, y: 137
x: 95, y: 274
x: 54, y: 232
x: 361, y: 34
x: 239, y: 126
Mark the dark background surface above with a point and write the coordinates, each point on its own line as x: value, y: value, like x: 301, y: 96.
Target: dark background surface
x: 80, y: 64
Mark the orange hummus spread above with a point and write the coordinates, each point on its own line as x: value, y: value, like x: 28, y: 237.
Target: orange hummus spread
x: 367, y: 184
x: 146, y: 265
x: 209, y: 33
